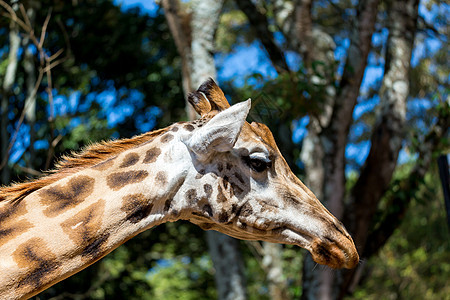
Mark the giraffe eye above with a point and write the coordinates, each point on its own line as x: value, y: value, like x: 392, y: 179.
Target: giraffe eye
x: 257, y: 163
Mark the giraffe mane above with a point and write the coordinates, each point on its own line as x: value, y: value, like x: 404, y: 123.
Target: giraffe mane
x: 75, y: 161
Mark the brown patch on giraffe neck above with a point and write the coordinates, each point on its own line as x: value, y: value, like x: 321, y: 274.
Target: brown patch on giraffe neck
x: 11, y: 225
x: 151, y: 155
x: 166, y: 138
x: 189, y: 127
x: 61, y: 198
x: 208, y: 190
x: 161, y: 179
x: 137, y: 207
x: 167, y: 204
x: 84, y: 229
x: 172, y: 193
x: 99, y: 156
x: 129, y: 160
x: 231, y: 182
x: 118, y: 180
x: 41, y: 264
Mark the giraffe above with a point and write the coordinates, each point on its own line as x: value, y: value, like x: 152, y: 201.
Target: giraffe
x: 219, y: 172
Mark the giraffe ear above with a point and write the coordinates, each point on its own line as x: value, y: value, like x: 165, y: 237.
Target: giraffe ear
x: 221, y: 132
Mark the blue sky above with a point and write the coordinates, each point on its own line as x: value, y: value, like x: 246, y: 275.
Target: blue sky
x: 148, y: 6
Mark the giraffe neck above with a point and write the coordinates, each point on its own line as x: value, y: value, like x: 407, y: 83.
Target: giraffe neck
x: 66, y: 226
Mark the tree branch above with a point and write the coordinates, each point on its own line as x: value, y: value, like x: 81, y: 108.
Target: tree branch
x: 260, y: 24
x: 335, y: 135
x: 387, y: 135
x: 180, y: 28
x: 177, y: 20
x: 303, y: 29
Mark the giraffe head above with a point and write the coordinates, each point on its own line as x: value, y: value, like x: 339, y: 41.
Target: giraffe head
x: 244, y: 187
x: 247, y: 189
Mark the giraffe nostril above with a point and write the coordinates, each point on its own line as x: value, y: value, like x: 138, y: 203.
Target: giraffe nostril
x: 328, y: 239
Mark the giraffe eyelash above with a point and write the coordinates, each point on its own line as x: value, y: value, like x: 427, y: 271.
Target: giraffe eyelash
x: 257, y: 163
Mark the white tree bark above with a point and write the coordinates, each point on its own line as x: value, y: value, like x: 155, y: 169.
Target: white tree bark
x: 228, y: 263
x: 204, y: 22
x: 30, y: 72
x: 273, y: 264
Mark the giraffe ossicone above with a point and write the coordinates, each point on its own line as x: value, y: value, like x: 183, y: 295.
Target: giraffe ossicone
x: 218, y: 172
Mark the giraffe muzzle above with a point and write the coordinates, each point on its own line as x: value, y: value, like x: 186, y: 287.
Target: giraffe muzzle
x: 335, y: 254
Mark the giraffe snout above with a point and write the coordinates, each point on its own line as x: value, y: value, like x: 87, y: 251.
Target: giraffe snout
x: 335, y: 253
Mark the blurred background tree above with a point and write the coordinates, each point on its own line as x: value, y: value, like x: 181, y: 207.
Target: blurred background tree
x: 355, y: 92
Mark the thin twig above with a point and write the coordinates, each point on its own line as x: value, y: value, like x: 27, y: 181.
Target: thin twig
x: 29, y: 170
x: 44, y: 28
x: 54, y: 64
x: 66, y: 37
x: 24, y: 13
x: 54, y: 56
x: 12, y: 15
x: 51, y: 151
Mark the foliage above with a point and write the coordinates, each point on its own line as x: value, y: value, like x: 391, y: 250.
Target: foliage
x: 414, y: 264
x: 190, y: 281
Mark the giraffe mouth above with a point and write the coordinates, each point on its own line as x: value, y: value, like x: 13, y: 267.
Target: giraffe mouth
x: 339, y: 252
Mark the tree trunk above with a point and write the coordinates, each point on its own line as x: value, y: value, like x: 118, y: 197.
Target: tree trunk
x: 273, y: 264
x: 194, y: 37
x: 387, y: 135
x: 260, y: 24
x: 7, y: 92
x: 327, y: 137
x: 228, y: 263
x: 30, y: 102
